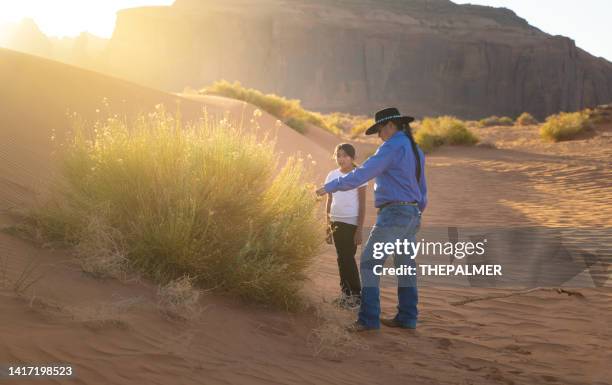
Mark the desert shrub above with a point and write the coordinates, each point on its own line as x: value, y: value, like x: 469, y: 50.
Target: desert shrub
x: 361, y: 126
x: 297, y: 124
x: 289, y: 111
x: 344, y: 122
x: 205, y: 200
x: 340, y: 121
x: 495, y: 121
x: 435, y: 132
x: 526, y: 119
x: 565, y: 125
x: 601, y: 114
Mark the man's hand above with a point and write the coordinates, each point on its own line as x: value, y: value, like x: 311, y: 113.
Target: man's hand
x: 320, y: 191
x: 358, y: 238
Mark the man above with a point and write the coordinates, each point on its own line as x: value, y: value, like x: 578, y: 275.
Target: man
x: 401, y: 196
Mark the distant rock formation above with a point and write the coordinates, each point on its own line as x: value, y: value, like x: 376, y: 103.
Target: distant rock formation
x: 427, y: 57
x: 26, y: 37
x: 85, y: 50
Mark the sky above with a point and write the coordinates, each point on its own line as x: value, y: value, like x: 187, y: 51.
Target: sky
x: 53, y: 19
x: 585, y: 21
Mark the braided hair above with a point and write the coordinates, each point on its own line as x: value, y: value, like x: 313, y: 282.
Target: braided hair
x: 405, y: 127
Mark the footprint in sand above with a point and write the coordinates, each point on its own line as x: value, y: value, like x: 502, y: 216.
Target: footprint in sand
x: 548, y: 378
x: 269, y: 329
x: 517, y: 349
x: 444, y: 343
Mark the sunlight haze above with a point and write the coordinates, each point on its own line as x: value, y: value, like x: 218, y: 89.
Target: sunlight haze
x: 70, y: 17
x: 585, y: 22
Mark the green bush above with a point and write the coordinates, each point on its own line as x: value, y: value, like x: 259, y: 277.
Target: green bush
x: 495, y: 121
x: 435, y: 132
x: 287, y: 110
x: 565, y: 125
x: 526, y: 119
x: 204, y: 200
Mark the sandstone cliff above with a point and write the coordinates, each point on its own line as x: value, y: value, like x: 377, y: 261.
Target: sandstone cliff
x: 426, y: 57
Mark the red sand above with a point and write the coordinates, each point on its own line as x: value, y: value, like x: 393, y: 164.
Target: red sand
x: 113, y: 333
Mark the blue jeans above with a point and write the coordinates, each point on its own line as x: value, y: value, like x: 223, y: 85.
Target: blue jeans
x: 394, y: 222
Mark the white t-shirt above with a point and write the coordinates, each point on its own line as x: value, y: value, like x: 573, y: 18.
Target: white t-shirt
x: 345, y: 204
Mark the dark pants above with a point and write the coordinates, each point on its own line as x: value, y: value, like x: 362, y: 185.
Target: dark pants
x: 344, y: 240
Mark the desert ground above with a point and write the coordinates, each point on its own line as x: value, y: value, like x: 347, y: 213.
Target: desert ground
x: 112, y: 332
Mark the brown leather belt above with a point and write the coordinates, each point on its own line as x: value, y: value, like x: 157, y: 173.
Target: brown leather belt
x: 397, y: 203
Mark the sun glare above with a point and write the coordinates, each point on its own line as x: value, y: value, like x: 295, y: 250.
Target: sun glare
x: 70, y: 17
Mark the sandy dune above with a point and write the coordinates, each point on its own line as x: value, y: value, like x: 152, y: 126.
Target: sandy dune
x: 113, y: 333
x: 37, y: 96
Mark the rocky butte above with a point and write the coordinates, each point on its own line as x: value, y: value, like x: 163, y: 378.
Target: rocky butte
x: 427, y: 57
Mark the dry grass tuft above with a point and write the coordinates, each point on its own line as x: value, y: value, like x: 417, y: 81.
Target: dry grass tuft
x: 27, y: 278
x: 331, y: 339
x: 179, y: 299
x: 101, y: 316
x: 100, y: 251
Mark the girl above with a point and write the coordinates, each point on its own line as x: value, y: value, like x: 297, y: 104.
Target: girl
x: 345, y: 216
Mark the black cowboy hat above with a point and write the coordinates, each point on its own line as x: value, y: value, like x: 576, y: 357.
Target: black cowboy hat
x: 383, y: 116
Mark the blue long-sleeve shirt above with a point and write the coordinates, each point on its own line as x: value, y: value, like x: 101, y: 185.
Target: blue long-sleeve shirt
x: 393, y: 166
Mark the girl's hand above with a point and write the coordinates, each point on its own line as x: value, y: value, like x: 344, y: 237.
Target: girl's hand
x: 358, y: 238
x: 320, y: 191
x: 329, y: 238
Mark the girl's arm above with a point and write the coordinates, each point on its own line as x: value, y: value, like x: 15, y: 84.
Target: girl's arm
x: 328, y: 207
x: 361, y: 192
x: 328, y: 238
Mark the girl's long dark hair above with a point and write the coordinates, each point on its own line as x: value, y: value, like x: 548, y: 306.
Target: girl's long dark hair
x: 405, y: 127
x: 348, y: 150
